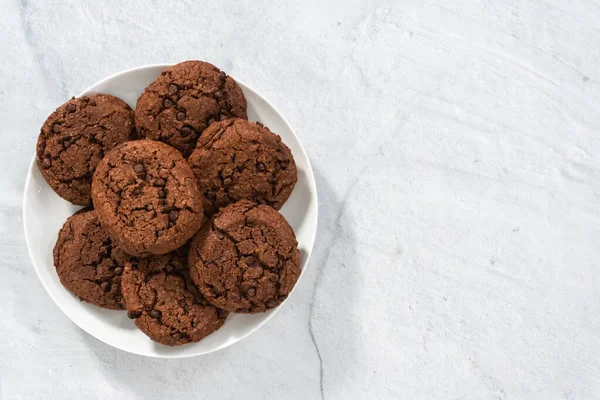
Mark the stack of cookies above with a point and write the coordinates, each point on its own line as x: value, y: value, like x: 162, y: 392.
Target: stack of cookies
x: 180, y: 225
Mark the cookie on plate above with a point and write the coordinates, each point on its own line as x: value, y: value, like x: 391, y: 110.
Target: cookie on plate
x: 184, y: 100
x: 240, y: 160
x: 74, y: 139
x: 147, y: 198
x: 246, y: 260
x: 87, y: 262
x: 164, y: 302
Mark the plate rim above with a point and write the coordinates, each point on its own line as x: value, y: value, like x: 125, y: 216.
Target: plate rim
x: 313, y: 234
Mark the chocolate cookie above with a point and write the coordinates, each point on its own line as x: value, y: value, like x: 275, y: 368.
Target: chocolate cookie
x: 236, y: 159
x: 146, y: 197
x: 87, y: 262
x: 74, y: 139
x: 184, y: 100
x: 164, y: 302
x: 246, y: 260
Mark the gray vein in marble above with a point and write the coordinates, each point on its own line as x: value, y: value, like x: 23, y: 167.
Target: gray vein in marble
x: 322, y: 265
x: 310, y: 329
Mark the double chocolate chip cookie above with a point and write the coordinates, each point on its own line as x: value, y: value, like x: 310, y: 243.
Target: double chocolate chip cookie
x: 164, y: 302
x: 147, y: 198
x: 246, y: 260
x: 87, y: 262
x: 74, y: 139
x: 240, y: 160
x: 184, y: 100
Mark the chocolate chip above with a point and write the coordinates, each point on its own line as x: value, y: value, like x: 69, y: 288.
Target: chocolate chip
x: 105, y: 286
x: 167, y: 209
x: 221, y: 313
x: 92, y: 102
x: 162, y: 193
x: 138, y: 168
x: 46, y: 163
x: 259, y: 124
x: 192, y: 138
x: 271, y: 303
x: 250, y: 260
x: 251, y: 292
x: 134, y: 314
x: 211, y: 196
x: 118, y: 270
x: 155, y: 314
x: 169, y: 268
x: 272, y: 180
x: 177, y: 336
x: 180, y: 116
x: 160, y: 182
x: 227, y: 181
x: 260, y: 167
x: 173, y: 215
x: 218, y: 94
x: 274, y: 278
x: 167, y: 103
x: 71, y: 107
x: 283, y: 165
x: 185, y: 131
x: 223, y: 75
x: 173, y: 89
x: 149, y: 207
x: 56, y: 128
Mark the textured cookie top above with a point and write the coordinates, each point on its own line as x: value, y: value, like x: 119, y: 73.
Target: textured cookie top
x: 246, y: 260
x: 146, y: 197
x: 74, y: 139
x: 164, y: 302
x: 184, y: 100
x: 87, y: 263
x: 240, y: 160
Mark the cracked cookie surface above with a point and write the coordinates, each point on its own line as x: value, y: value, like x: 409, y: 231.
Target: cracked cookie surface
x: 240, y: 160
x: 184, y: 100
x: 246, y: 260
x: 75, y: 137
x: 165, y: 303
x: 87, y: 262
x: 147, y: 198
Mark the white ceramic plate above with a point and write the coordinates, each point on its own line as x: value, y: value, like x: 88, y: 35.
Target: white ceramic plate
x: 44, y: 213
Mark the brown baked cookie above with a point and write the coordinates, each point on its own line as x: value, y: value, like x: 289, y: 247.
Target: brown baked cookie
x: 236, y: 159
x: 184, y: 100
x: 245, y: 260
x: 164, y: 302
x: 74, y: 139
x: 87, y: 262
x: 146, y: 197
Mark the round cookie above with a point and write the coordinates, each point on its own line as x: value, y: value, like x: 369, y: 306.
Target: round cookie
x: 164, y: 302
x: 74, y: 139
x: 246, y: 260
x: 147, y: 198
x: 87, y: 263
x: 184, y: 100
x: 236, y: 159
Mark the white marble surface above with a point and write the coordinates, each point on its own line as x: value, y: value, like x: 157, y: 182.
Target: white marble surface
x: 456, y: 146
